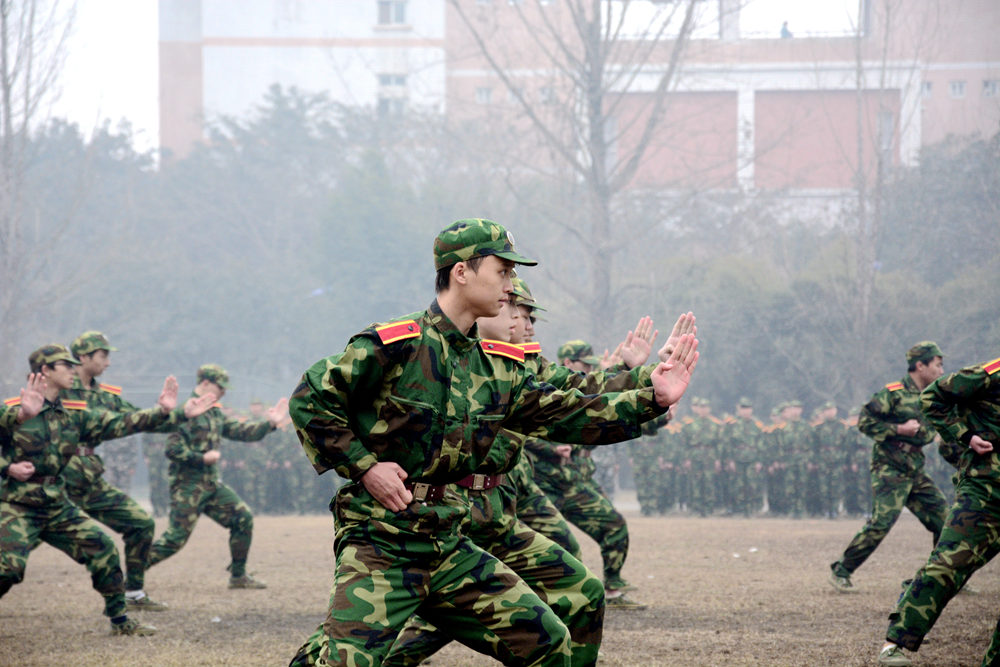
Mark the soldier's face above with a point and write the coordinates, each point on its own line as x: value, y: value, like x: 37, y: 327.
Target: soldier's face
x: 577, y: 365
x: 96, y: 363
x: 500, y: 327
x: 526, y: 326
x: 930, y: 371
x: 60, y: 375
x: 744, y: 412
x: 488, y: 289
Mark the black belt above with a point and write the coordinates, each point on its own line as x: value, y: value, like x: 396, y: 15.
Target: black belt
x: 905, y: 446
x: 43, y: 479
x: 425, y: 492
x: 84, y: 451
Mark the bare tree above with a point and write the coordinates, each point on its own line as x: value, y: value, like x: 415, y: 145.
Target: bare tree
x: 567, y: 78
x: 33, y: 35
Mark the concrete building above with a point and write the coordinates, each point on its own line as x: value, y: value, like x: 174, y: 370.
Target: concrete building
x: 789, y: 114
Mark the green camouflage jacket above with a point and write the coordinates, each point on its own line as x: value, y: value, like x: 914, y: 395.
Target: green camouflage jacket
x: 744, y: 440
x: 964, y: 404
x: 580, y: 466
x: 187, y: 445
x: 829, y: 438
x: 84, y: 470
x: 895, y: 404
x: 52, y: 438
x: 424, y: 395
x: 701, y: 442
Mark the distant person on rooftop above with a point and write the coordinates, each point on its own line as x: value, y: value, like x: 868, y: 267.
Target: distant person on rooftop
x: 785, y: 32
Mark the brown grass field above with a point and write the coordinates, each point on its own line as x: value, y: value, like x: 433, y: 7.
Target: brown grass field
x: 720, y: 591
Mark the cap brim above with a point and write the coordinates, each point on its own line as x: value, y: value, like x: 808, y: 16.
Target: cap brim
x: 593, y: 360
x: 517, y: 259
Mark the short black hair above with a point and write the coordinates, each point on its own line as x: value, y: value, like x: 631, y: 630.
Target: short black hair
x: 443, y: 279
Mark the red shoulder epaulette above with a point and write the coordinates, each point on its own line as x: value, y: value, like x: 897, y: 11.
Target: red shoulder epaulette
x: 532, y: 348
x: 992, y: 367
x: 502, y: 349
x: 216, y: 405
x: 894, y: 386
x: 111, y: 389
x: 390, y: 333
x: 11, y: 402
x: 74, y: 405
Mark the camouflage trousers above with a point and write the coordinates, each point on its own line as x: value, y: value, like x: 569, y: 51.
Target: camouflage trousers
x: 747, y: 496
x: 535, y: 509
x: 701, y: 489
x: 585, y: 506
x: 892, y: 490
x: 383, y: 578
x: 992, y: 657
x: 120, y: 513
x: 970, y: 539
x: 559, y: 579
x: 188, y: 501
x: 66, y: 528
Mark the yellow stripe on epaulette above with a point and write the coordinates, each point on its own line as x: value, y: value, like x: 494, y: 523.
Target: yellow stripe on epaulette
x: 216, y: 405
x: 390, y: 333
x: 111, y: 389
x: 894, y: 386
x: 502, y: 349
x: 992, y: 367
x: 74, y: 405
x: 531, y: 348
x: 13, y: 401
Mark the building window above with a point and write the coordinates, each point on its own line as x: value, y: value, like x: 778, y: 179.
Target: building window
x: 926, y: 88
x: 991, y: 88
x: 391, y: 94
x: 546, y: 95
x: 956, y: 89
x: 515, y: 2
x: 514, y: 93
x: 484, y: 2
x: 391, y: 12
x: 886, y: 131
x: 483, y: 95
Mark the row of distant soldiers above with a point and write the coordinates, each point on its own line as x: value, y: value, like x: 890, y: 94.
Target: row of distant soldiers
x: 737, y: 465
x: 699, y: 464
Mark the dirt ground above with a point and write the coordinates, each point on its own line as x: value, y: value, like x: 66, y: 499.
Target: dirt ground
x: 720, y: 591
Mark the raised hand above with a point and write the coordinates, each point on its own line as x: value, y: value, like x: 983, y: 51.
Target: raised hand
x: 671, y: 378
x: 32, y: 397
x: 639, y: 343
x: 612, y: 358
x: 168, y: 396
x: 277, y: 414
x: 683, y: 325
x: 199, y: 405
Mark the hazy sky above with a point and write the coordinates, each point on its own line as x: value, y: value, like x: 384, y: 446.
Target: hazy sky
x: 111, y: 66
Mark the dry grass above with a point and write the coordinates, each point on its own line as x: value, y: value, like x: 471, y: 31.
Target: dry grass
x: 721, y: 591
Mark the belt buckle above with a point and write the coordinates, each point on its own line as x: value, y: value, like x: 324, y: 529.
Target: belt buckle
x: 478, y: 482
x: 420, y: 490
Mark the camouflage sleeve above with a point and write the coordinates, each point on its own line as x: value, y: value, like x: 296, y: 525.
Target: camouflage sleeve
x: 941, y: 401
x: 651, y: 427
x: 577, y: 418
x: 8, y: 418
x: 234, y: 429
x: 874, y: 418
x: 319, y: 408
x: 595, y: 382
x: 100, y: 425
x: 543, y: 450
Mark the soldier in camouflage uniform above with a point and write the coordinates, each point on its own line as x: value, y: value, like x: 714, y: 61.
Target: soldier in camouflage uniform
x: 34, y: 506
x: 856, y: 458
x: 826, y: 479
x: 414, y: 406
x: 195, y: 485
x: 83, y: 474
x: 964, y: 407
x: 798, y: 450
x: 700, y: 439
x: 743, y: 435
x: 894, y: 420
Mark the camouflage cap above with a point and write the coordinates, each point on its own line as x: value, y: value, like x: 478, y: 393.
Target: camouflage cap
x: 923, y: 351
x: 523, y: 294
x: 89, y: 342
x: 578, y: 350
x: 474, y: 237
x: 50, y: 354
x: 745, y: 402
x: 827, y: 405
x: 214, y: 373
